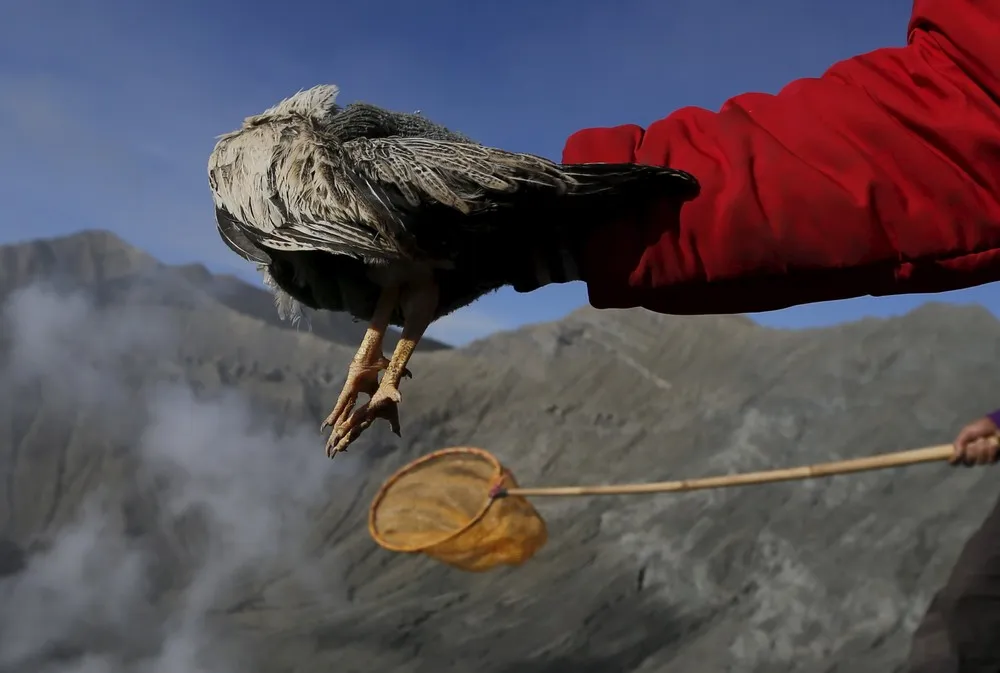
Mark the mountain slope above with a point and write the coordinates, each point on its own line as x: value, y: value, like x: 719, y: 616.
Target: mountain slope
x: 163, y: 471
x: 95, y: 258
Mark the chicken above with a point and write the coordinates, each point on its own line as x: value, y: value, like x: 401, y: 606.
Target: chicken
x: 397, y: 221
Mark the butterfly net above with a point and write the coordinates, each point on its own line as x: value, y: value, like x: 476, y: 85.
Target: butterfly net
x: 441, y: 505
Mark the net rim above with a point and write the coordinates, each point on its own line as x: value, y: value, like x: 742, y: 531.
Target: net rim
x: 498, y: 474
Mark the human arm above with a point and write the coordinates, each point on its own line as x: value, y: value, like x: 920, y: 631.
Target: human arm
x: 880, y: 177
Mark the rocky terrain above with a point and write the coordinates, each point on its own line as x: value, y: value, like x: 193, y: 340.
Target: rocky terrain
x: 165, y: 504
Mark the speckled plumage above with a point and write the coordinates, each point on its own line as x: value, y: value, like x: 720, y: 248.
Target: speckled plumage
x: 352, y: 208
x: 392, y: 191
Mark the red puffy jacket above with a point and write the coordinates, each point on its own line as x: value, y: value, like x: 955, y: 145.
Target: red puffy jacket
x: 880, y: 177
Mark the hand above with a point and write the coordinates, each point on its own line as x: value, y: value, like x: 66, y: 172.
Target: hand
x: 977, y: 444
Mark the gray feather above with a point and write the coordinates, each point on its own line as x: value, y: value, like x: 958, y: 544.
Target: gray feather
x: 306, y: 175
x: 395, y: 197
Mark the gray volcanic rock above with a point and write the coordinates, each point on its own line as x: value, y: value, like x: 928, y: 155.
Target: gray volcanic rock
x: 165, y: 503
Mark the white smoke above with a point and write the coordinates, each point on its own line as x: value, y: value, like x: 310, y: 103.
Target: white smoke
x: 227, y: 493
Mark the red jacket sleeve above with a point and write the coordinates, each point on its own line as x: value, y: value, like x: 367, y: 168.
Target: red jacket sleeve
x: 880, y: 177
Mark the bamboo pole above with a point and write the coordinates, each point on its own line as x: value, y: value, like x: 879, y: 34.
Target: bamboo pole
x: 928, y: 454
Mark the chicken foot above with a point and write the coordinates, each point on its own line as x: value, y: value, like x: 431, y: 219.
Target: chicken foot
x: 362, y: 374
x: 419, y: 304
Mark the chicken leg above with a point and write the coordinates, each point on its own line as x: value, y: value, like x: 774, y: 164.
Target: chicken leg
x: 362, y: 374
x: 419, y: 305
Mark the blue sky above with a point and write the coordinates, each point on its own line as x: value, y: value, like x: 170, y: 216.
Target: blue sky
x: 109, y: 108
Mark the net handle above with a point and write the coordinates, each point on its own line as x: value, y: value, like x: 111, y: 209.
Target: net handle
x: 928, y: 454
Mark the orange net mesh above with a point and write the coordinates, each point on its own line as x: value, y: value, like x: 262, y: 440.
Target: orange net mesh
x: 440, y: 505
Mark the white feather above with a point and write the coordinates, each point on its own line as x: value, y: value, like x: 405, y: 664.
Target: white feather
x: 288, y: 308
